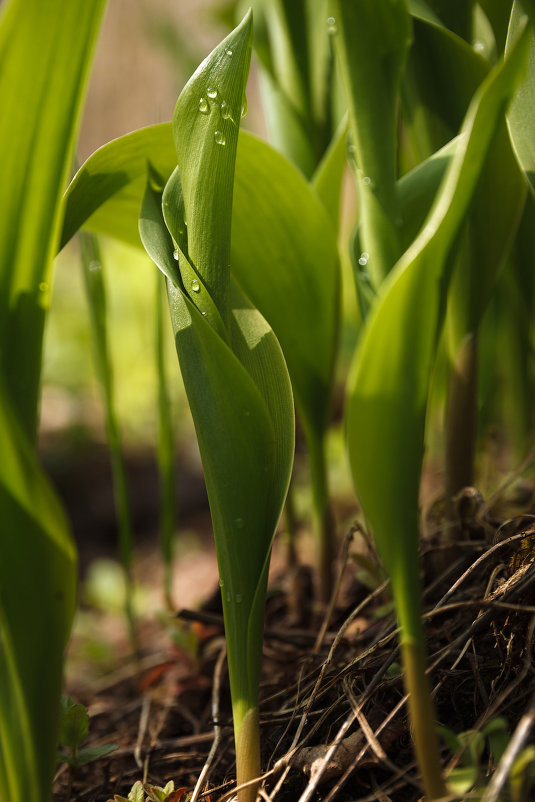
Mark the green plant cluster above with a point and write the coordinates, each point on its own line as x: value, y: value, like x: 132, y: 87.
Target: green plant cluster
x: 430, y: 105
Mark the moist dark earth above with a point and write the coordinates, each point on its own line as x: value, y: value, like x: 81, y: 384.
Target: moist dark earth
x: 327, y: 673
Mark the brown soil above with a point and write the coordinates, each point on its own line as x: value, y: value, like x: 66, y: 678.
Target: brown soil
x: 329, y: 676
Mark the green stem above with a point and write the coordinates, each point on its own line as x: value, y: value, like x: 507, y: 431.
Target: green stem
x: 96, y: 297
x: 290, y: 517
x: 461, y: 418
x: 325, y: 528
x: 247, y: 734
x: 165, y: 450
x: 421, y: 711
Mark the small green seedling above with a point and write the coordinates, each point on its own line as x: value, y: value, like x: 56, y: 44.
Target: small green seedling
x: 136, y: 794
x: 74, y: 726
x: 155, y: 793
x: 469, y: 776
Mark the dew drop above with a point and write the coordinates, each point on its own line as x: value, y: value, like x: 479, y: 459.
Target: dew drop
x: 363, y: 258
x: 229, y: 52
x: 221, y: 583
x: 175, y: 254
x: 212, y: 93
x: 94, y: 266
x: 332, y: 27
x: 203, y: 314
x: 228, y: 597
x: 43, y: 286
x: 226, y: 112
x: 239, y: 523
x: 195, y: 286
x: 239, y: 598
x: 219, y: 137
x: 479, y: 46
x: 367, y: 181
x: 244, y: 107
x: 203, y: 105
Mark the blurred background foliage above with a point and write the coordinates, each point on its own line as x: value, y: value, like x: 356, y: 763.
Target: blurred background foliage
x: 146, y: 52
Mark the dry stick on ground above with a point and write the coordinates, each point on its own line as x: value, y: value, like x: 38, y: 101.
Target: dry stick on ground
x: 317, y: 645
x: 498, y: 493
x: 344, y: 553
x: 442, y: 607
x: 492, y: 550
x: 142, y: 729
x: 285, y: 762
x: 216, y: 688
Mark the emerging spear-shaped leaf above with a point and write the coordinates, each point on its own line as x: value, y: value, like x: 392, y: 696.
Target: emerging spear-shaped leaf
x: 233, y: 370
x: 284, y: 257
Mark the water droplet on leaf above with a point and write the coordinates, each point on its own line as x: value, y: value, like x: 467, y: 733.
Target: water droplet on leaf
x: 363, y: 258
x: 43, y: 286
x: 221, y: 583
x: 225, y: 111
x: 332, y: 27
x: 175, y: 254
x: 229, y: 52
x: 203, y: 105
x: 212, y: 93
x: 195, y: 286
x: 244, y: 107
x: 219, y: 137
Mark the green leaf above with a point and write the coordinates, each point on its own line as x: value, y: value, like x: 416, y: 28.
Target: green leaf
x: 106, y: 191
x: 499, y: 197
x: 45, y: 53
x: 245, y: 458
x: 284, y: 256
x: 205, y: 129
x: 455, y: 15
x: 521, y: 114
x: 74, y: 726
x: 498, y: 14
x: 371, y: 41
x: 389, y: 381
x: 327, y: 178
x: 462, y: 779
x: 37, y: 602
x: 443, y: 72
x: 233, y: 370
x: 296, y: 81
x: 91, y: 753
x: 136, y: 793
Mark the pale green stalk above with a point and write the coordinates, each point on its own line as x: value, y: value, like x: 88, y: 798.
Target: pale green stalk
x: 165, y: 450
x: 96, y: 298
